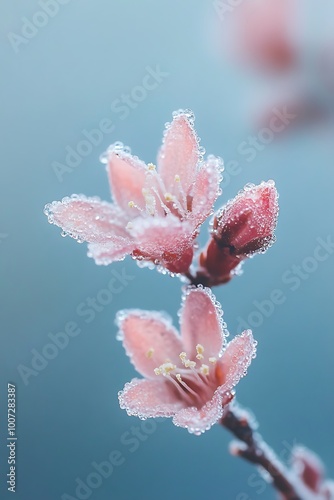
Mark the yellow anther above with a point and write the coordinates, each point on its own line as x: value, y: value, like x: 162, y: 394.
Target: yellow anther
x: 178, y: 377
x: 157, y: 371
x: 131, y: 204
x: 199, y: 350
x: 183, y: 356
x: 177, y: 178
x: 189, y: 364
x: 151, y: 166
x: 150, y: 353
x: 204, y: 370
x: 166, y: 368
x: 169, y: 197
x: 213, y: 360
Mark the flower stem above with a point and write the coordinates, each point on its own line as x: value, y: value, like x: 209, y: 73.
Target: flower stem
x: 253, y: 449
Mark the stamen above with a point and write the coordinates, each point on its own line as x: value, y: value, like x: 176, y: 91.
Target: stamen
x: 186, y: 386
x: 149, y: 201
x: 205, y: 370
x: 151, y: 166
x: 200, y: 351
x: 183, y: 356
x: 189, y: 364
x: 132, y: 204
x: 163, y: 205
x: 181, y: 202
x: 169, y: 197
x: 167, y: 368
x: 213, y: 360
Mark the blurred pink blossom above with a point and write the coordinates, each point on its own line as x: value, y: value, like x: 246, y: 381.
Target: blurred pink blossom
x: 310, y: 470
x: 188, y: 377
x: 156, y: 213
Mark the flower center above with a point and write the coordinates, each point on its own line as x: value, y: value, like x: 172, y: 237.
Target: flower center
x: 195, y: 381
x: 158, y: 200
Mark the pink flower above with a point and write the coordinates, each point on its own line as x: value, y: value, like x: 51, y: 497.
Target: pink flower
x: 156, y: 214
x: 241, y: 228
x: 188, y: 377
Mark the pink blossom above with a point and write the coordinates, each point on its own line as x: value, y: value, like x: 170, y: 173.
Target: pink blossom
x: 156, y: 213
x: 241, y: 228
x: 188, y: 377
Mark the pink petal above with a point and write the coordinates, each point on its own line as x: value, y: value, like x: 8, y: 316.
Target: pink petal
x: 201, y: 323
x: 166, y: 241
x: 149, y: 398
x: 149, y: 339
x: 87, y: 219
x: 199, y: 421
x: 111, y: 251
x: 206, y: 189
x: 179, y: 153
x: 127, y: 175
x: 235, y: 361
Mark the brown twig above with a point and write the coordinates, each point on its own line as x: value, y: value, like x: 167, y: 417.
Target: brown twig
x: 253, y: 449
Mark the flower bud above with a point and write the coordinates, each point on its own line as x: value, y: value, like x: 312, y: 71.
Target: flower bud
x: 244, y: 226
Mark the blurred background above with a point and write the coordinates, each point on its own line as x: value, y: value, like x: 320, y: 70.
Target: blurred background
x: 259, y: 77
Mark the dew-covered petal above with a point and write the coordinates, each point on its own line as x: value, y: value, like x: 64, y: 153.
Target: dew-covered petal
x: 235, y: 361
x: 206, y: 189
x: 149, y: 398
x: 87, y: 219
x: 198, y: 421
x: 149, y: 339
x: 201, y: 323
x: 166, y: 241
x: 127, y: 175
x: 179, y: 153
x: 247, y: 222
x: 114, y: 250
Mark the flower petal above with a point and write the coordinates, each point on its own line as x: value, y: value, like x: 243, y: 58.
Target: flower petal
x: 201, y: 323
x: 199, y: 421
x: 179, y: 153
x: 236, y: 359
x: 149, y: 339
x: 166, y: 241
x: 206, y: 189
x: 87, y: 219
x: 111, y: 251
x: 127, y: 175
x: 149, y: 398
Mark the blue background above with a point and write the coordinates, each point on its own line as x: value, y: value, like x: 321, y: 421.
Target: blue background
x: 65, y: 80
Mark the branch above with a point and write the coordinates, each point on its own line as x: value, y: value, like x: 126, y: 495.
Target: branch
x: 253, y: 449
